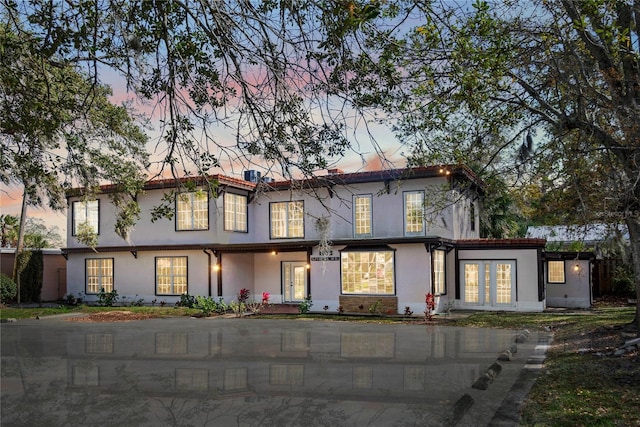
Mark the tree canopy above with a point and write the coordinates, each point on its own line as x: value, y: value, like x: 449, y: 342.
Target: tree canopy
x: 543, y: 93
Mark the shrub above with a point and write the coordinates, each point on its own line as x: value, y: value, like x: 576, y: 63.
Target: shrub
x: 186, y: 300
x: 107, y: 299
x: 205, y: 304
x: 31, y: 266
x: 8, y: 288
x: 243, y: 296
x: 305, y: 305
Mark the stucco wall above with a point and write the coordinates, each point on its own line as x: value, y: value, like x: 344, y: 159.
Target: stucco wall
x: 387, y: 215
x: 576, y: 291
x: 54, y: 278
x: 526, y: 261
x: 136, y: 276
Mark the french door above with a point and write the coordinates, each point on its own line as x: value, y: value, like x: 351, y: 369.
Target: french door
x: 488, y: 283
x: 294, y: 281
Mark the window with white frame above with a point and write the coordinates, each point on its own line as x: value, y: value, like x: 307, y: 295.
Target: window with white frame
x: 367, y: 272
x: 99, y: 275
x: 171, y: 275
x: 414, y: 213
x: 362, y: 215
x: 438, y: 259
x: 86, y: 212
x: 192, y: 211
x: 287, y: 220
x: 235, y: 212
x: 555, y: 272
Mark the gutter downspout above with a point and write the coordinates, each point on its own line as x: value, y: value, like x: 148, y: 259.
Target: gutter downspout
x: 308, y: 268
x: 209, y: 267
x: 219, y: 272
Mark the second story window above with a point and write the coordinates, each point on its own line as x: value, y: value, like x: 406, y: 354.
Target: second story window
x: 362, y: 215
x: 193, y: 211
x: 287, y: 220
x: 414, y: 213
x: 235, y: 212
x: 86, y: 213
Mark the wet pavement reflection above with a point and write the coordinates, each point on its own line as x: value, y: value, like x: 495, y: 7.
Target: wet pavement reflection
x: 248, y: 372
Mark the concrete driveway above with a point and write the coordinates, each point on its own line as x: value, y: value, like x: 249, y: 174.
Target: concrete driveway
x: 261, y: 372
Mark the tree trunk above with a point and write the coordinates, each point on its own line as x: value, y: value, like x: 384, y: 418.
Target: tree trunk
x: 633, y: 223
x: 20, y: 243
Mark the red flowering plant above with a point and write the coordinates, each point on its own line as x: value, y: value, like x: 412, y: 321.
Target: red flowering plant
x: 430, y: 300
x: 243, y: 296
x: 254, y: 306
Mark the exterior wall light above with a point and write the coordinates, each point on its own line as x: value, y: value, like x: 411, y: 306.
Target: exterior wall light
x: 576, y: 268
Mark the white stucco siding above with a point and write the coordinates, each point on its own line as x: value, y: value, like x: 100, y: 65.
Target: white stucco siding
x: 237, y: 273
x: 268, y: 277
x: 526, y: 274
x: 144, y: 232
x: 413, y: 276
x: 325, y: 281
x: 576, y: 291
x: 464, y: 227
x: 134, y: 278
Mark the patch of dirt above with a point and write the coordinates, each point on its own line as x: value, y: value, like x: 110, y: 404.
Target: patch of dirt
x: 113, y: 316
x: 610, y: 301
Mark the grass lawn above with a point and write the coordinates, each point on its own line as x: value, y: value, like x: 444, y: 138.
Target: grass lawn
x: 32, y: 313
x: 582, y: 383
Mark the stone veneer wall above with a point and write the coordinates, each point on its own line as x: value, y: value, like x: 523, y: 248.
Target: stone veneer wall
x: 353, y: 303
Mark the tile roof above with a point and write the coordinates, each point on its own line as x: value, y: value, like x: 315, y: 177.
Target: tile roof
x: 501, y: 243
x: 336, y: 178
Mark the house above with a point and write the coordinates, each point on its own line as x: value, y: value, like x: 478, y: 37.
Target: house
x: 576, y: 268
x: 54, y: 275
x: 353, y: 241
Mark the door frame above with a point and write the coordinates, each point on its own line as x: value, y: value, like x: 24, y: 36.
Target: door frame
x: 288, y: 288
x: 482, y: 263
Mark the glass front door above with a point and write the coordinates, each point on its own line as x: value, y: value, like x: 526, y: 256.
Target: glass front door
x: 488, y: 283
x: 294, y: 281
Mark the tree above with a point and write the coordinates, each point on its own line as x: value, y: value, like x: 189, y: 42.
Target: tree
x: 9, y: 230
x: 59, y: 130
x: 37, y: 234
x: 487, y: 80
x: 211, y: 68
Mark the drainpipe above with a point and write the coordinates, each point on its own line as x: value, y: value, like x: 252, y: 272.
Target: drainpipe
x: 209, y: 266
x: 308, y: 268
x: 219, y: 275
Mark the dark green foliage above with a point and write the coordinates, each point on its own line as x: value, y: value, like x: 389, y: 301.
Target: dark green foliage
x: 31, y: 277
x: 8, y: 289
x: 186, y: 300
x: 305, y: 305
x: 107, y: 299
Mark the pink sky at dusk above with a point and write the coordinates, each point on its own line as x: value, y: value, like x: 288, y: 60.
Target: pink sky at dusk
x: 368, y: 157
